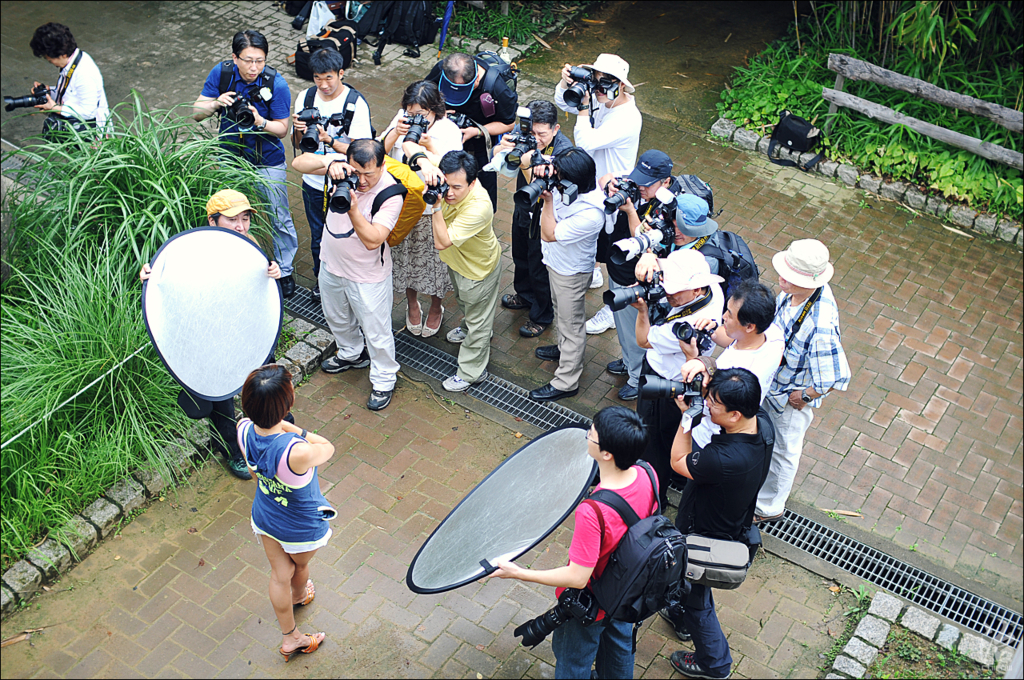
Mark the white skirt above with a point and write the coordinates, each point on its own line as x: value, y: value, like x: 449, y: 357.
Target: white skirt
x: 291, y: 548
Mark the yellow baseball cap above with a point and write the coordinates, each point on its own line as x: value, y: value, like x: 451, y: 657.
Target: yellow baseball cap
x: 228, y: 202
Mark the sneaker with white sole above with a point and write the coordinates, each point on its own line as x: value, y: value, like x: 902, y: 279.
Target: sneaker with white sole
x: 598, y: 279
x: 601, y: 322
x: 336, y: 364
x: 456, y: 335
x: 455, y: 384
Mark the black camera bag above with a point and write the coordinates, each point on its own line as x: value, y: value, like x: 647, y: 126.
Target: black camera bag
x: 798, y: 135
x: 735, y: 261
x: 645, y: 572
x: 691, y: 184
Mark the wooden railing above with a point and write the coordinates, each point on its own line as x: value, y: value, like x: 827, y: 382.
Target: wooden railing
x: 855, y: 69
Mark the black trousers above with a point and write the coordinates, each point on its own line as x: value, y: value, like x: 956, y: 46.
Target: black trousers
x: 662, y: 418
x: 530, y: 278
x: 488, y: 180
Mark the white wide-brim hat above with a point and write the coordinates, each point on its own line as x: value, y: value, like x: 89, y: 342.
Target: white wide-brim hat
x: 805, y: 264
x: 686, y: 270
x: 613, y: 65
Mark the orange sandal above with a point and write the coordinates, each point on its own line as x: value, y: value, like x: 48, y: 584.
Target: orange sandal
x: 313, y: 645
x: 310, y: 595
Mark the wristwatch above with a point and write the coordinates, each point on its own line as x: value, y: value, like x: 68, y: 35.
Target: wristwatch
x: 804, y: 397
x: 260, y: 128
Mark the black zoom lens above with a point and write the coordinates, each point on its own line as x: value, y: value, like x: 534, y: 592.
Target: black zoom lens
x: 528, y: 196
x: 620, y: 298
x: 341, y: 200
x: 310, y: 141
x: 577, y: 92
x: 240, y: 112
x: 418, y: 125
x: 535, y: 630
x: 11, y: 103
x: 432, y: 194
x: 656, y: 387
x: 685, y: 332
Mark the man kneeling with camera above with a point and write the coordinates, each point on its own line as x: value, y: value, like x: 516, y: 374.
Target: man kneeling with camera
x: 614, y: 441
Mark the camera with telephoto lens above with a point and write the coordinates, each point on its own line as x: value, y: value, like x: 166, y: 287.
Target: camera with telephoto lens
x: 656, y: 387
x: 240, y: 113
x: 434, y: 193
x: 579, y: 91
x: 573, y: 604
x: 632, y: 248
x: 37, y: 98
x: 418, y: 125
x: 341, y: 199
x: 528, y: 196
x: 461, y: 120
x: 627, y: 191
x: 620, y: 298
x: 662, y: 214
x: 523, y: 138
x: 686, y: 332
x: 310, y: 142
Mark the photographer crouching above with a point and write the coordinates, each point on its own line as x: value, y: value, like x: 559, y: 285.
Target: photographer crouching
x: 254, y: 104
x: 78, y: 101
x: 582, y: 632
x: 681, y: 291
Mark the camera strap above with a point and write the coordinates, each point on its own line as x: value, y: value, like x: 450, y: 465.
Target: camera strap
x: 695, y: 306
x: 62, y: 86
x: 799, y: 321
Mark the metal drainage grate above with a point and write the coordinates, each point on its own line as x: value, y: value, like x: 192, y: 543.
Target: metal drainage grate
x: 969, y: 610
x: 874, y: 566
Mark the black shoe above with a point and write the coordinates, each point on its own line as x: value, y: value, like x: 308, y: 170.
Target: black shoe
x: 287, y: 286
x: 237, y: 467
x: 686, y: 664
x: 315, y: 292
x: 670, y: 614
x: 548, y: 353
x: 513, y: 301
x: 549, y: 393
x: 336, y: 364
x: 531, y: 329
x: 628, y: 393
x: 617, y: 367
x: 379, y: 400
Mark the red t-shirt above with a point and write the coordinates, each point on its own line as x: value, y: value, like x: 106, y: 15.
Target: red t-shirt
x: 589, y: 548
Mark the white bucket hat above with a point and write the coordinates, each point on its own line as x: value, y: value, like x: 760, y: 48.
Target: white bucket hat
x: 613, y: 65
x: 686, y: 270
x: 805, y: 264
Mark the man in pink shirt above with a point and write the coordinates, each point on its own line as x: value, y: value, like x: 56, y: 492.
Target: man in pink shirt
x: 355, y: 259
x: 615, y: 440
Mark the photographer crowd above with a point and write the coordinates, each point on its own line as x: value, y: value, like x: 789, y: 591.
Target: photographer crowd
x: 410, y: 211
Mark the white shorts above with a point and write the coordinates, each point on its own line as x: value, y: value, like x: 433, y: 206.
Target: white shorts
x: 291, y: 548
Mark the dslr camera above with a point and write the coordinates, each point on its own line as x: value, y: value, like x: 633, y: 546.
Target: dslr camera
x: 620, y: 298
x: 686, y: 332
x: 434, y: 193
x: 240, y: 113
x: 582, y: 82
x: 658, y: 237
x: 627, y: 191
x: 656, y: 387
x: 461, y: 120
x: 574, y: 603
x: 341, y: 197
x: 523, y: 138
x: 37, y: 98
x: 310, y: 141
x: 418, y: 125
x: 528, y: 196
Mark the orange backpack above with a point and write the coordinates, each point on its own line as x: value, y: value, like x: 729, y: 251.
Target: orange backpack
x: 411, y: 187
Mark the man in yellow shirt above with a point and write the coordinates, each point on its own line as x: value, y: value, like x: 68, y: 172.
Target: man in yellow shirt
x: 464, y: 235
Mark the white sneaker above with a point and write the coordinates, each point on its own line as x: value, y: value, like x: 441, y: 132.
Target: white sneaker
x: 598, y: 280
x: 455, y: 384
x: 456, y: 335
x: 601, y: 322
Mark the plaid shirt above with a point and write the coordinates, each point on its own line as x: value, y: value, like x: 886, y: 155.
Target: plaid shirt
x: 815, y: 356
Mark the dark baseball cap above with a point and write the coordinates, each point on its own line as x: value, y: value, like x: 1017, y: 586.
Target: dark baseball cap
x: 455, y: 94
x: 652, y: 167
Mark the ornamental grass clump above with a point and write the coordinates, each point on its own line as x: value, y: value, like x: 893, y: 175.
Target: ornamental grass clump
x: 85, y: 216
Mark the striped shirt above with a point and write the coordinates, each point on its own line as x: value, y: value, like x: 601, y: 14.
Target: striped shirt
x: 814, y: 356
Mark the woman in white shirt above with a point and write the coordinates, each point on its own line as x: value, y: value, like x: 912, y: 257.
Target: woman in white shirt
x: 417, y: 268
x: 79, y: 92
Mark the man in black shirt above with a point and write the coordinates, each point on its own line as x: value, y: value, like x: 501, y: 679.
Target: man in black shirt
x: 530, y: 281
x: 719, y: 501
x: 470, y: 88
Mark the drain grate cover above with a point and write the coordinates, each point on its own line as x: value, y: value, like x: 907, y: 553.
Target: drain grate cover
x: 874, y: 566
x: 956, y: 604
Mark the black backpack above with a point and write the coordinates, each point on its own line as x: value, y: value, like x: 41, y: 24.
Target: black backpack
x: 735, y: 261
x: 338, y: 35
x: 691, y: 184
x: 410, y: 23
x: 497, y: 67
x: 227, y: 71
x: 645, y: 572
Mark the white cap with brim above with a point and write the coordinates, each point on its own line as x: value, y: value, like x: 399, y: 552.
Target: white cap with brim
x: 686, y: 270
x: 613, y: 65
x: 805, y: 263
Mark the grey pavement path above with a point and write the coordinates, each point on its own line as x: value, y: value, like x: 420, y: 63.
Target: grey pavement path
x: 182, y: 591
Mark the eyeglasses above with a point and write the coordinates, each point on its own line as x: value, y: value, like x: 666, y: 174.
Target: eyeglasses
x: 253, y: 62
x: 586, y: 435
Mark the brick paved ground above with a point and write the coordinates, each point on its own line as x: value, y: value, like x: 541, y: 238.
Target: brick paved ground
x: 182, y: 592
x: 926, y: 444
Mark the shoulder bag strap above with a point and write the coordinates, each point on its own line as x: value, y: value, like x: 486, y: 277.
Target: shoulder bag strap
x: 226, y: 71
x: 618, y: 504
x: 67, y: 78
x: 800, y: 319
x: 310, y: 96
x: 654, y: 485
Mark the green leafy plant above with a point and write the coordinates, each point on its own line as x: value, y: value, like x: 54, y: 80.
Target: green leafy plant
x: 523, y: 20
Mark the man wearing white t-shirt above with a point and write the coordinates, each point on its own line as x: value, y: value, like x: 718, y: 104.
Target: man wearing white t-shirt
x: 330, y: 97
x: 607, y: 124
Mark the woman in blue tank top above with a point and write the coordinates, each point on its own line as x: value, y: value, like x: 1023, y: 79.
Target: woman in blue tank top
x: 289, y: 513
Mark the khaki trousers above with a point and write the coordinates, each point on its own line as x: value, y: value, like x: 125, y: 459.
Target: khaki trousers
x: 478, y: 301
x: 568, y: 296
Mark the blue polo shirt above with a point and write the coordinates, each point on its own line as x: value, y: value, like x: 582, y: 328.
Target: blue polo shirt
x: 261, y: 149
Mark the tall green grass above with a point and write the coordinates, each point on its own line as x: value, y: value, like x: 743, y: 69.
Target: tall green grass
x: 968, y: 47
x: 85, y: 217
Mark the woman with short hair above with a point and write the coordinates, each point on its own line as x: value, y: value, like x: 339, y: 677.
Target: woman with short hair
x: 289, y: 513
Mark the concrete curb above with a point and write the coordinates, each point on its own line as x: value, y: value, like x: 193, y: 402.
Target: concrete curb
x: 959, y: 216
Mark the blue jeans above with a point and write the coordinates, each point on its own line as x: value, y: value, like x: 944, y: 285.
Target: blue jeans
x: 710, y: 647
x: 313, y: 200
x: 286, y: 242
x: 576, y: 647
